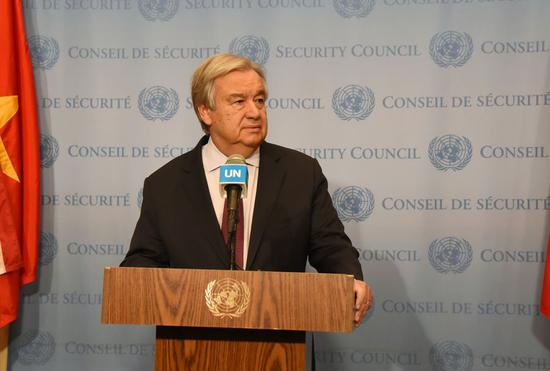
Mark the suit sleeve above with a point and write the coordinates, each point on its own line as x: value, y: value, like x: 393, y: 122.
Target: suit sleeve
x: 331, y: 251
x: 146, y: 248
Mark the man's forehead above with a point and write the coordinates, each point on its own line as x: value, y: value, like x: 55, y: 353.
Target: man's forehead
x: 240, y: 82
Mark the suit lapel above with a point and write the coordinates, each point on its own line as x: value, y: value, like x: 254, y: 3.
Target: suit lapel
x: 270, y: 179
x: 196, y: 187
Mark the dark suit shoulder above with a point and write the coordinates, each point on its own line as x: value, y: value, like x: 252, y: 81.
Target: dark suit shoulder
x: 171, y: 168
x: 188, y: 162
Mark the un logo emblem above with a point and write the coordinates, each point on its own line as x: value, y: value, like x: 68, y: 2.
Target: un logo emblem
x: 140, y: 197
x: 353, y: 203
x: 451, y: 48
x: 252, y: 47
x: 353, y: 102
x: 44, y: 51
x: 34, y: 347
x: 450, y: 254
x: 451, y: 356
x: 227, y: 297
x: 49, y: 150
x: 48, y: 248
x: 353, y: 8
x: 158, y: 103
x: 450, y: 152
x: 162, y: 10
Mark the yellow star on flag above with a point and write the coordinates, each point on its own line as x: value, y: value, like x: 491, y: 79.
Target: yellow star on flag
x: 8, y: 107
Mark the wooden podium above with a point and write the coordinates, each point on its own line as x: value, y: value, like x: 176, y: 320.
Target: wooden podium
x: 228, y: 320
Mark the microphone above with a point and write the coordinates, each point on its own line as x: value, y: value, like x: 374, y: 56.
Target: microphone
x: 234, y: 172
x: 233, y: 181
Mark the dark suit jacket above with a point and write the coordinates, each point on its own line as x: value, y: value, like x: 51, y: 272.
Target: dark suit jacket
x: 293, y: 218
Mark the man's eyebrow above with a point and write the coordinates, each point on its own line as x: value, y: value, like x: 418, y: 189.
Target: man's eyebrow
x: 236, y: 95
x: 242, y: 95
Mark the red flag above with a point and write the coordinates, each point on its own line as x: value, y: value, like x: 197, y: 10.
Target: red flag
x: 545, y: 296
x: 19, y: 162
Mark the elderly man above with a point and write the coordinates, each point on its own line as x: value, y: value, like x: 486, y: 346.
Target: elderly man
x: 288, y: 213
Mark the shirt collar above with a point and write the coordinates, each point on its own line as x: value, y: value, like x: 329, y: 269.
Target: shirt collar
x: 212, y: 157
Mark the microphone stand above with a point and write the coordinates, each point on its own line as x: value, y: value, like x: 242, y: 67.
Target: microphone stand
x: 233, y: 196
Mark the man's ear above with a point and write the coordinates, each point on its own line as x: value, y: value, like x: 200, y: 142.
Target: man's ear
x: 204, y: 113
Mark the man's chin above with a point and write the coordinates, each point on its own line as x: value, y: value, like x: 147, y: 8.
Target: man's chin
x: 256, y: 130
x: 253, y: 141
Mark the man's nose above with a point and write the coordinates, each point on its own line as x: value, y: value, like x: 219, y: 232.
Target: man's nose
x: 252, y: 109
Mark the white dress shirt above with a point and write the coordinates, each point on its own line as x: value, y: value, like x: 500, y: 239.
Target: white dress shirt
x: 212, y: 159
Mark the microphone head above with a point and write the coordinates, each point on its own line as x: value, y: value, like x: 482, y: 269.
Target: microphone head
x: 234, y: 172
x: 235, y: 159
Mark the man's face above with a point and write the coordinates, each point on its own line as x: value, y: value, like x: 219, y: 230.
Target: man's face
x: 238, y: 125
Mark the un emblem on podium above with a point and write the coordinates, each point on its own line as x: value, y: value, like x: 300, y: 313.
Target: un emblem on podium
x: 353, y: 8
x: 252, y: 47
x: 44, y: 51
x: 450, y: 152
x: 451, y: 48
x: 153, y: 10
x: 227, y: 297
x: 450, y: 254
x: 34, y: 347
x: 353, y: 203
x: 158, y: 103
x: 451, y: 356
x: 353, y: 102
x: 49, y: 150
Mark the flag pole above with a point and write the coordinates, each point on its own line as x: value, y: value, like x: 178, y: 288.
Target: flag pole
x: 4, y: 333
